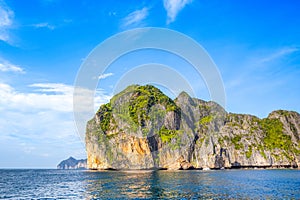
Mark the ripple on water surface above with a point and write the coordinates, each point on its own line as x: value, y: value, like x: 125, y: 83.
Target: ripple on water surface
x: 225, y: 184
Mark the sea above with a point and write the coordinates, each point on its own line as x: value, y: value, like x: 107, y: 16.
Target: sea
x: 195, y: 184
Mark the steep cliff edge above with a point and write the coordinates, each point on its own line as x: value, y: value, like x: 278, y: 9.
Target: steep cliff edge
x: 141, y: 128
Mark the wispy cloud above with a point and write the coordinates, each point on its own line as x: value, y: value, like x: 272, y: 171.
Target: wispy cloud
x: 257, y: 65
x: 6, y: 66
x: 52, y: 87
x: 44, y: 25
x: 135, y: 18
x: 37, y: 121
x: 6, y: 21
x: 279, y: 54
x: 40, y: 99
x: 103, y: 76
x: 5, y: 15
x: 173, y: 7
x: 45, y: 96
x: 60, y: 96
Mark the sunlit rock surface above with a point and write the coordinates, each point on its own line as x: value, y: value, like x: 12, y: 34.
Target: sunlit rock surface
x: 141, y: 128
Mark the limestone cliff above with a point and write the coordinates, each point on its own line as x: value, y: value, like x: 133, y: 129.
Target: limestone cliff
x: 72, y: 163
x: 141, y: 128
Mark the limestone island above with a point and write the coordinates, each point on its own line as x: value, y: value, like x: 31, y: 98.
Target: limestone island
x: 72, y: 163
x: 142, y: 128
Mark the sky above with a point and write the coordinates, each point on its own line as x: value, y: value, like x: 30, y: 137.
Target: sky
x: 43, y: 43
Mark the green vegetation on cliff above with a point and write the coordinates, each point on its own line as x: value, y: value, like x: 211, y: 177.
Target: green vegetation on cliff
x: 105, y: 116
x: 137, y: 109
x: 274, y: 136
x: 249, y: 152
x: 205, y: 120
x: 199, y: 132
x: 236, y: 141
x: 166, y: 135
x: 143, y: 98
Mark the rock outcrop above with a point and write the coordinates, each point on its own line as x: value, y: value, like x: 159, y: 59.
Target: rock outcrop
x: 141, y: 128
x: 72, y: 163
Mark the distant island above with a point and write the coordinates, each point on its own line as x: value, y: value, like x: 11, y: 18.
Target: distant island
x: 72, y: 163
x: 142, y: 128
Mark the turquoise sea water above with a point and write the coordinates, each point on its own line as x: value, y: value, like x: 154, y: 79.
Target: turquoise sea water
x: 223, y: 184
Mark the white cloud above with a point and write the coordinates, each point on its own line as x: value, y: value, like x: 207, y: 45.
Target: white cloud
x: 6, y: 21
x: 45, y: 96
x: 44, y: 25
x: 5, y: 15
x: 173, y: 7
x: 135, y: 18
x: 103, y: 76
x: 4, y: 36
x: 6, y: 66
x: 279, y: 54
x: 53, y: 87
x: 40, y: 121
x: 37, y: 134
x: 33, y: 101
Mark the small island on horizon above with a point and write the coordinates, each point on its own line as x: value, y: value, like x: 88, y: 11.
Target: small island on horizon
x: 142, y: 128
x: 72, y: 163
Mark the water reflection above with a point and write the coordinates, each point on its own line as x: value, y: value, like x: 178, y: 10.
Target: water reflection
x: 127, y: 184
x: 150, y: 185
x: 188, y: 184
x: 76, y: 184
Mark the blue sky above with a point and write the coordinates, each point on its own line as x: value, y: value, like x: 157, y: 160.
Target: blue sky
x: 255, y: 44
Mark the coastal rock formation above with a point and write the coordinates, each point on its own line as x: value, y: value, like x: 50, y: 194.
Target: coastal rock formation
x: 72, y: 163
x: 141, y: 128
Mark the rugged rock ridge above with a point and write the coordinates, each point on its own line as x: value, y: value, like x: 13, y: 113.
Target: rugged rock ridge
x: 141, y: 128
x: 72, y: 163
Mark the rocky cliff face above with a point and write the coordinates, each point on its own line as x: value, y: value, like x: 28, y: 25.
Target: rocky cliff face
x: 141, y: 128
x: 72, y: 163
